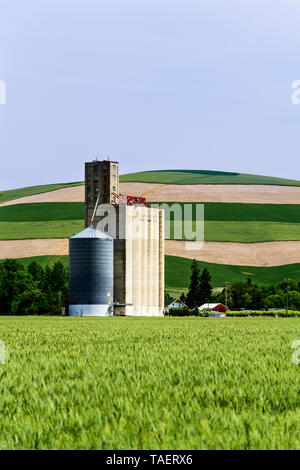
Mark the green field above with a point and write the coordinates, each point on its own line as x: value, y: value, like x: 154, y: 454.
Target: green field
x: 149, y: 383
x: 239, y: 212
x: 223, y: 221
x: 214, y: 211
x: 177, y: 271
x: 49, y: 229
x: 12, y: 194
x: 245, y: 223
x: 251, y: 232
x: 41, y: 220
x: 203, y: 177
x: 43, y: 211
x: 242, y: 232
x: 45, y: 260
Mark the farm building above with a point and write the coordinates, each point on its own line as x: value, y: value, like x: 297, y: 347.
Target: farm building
x: 210, y: 307
x: 175, y: 304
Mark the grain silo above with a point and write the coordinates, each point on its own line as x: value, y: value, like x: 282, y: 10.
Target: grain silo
x: 91, y: 280
x: 137, y: 230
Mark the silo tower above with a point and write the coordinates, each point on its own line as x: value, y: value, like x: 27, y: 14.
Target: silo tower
x: 91, y: 273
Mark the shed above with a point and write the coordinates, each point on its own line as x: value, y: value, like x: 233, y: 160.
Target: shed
x: 212, y: 307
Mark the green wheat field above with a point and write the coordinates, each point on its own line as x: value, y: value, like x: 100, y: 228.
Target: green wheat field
x: 224, y: 222
x: 147, y: 383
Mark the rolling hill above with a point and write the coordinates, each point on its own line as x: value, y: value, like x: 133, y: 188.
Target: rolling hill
x: 204, y: 177
x: 177, y: 177
x: 32, y: 190
x: 242, y: 212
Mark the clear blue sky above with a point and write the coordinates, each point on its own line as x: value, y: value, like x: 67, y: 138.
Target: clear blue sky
x: 154, y: 84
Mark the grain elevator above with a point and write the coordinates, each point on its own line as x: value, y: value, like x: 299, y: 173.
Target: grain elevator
x: 131, y: 236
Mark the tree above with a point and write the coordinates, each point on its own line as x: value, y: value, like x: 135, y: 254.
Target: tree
x: 192, y: 298
x: 275, y: 301
x: 17, y: 289
x: 257, y: 297
x: 240, y: 295
x: 58, y: 278
x: 33, y: 290
x: 294, y: 300
x: 205, y: 287
x: 168, y: 299
x: 37, y: 272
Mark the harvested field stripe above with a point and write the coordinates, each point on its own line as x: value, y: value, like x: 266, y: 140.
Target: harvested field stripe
x: 27, y: 248
x: 242, y: 254
x: 238, y: 254
x: 254, y: 194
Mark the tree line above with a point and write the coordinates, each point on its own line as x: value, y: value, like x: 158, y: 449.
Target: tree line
x: 239, y: 295
x: 32, y: 290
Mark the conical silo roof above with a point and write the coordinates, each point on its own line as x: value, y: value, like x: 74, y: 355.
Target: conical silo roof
x: 92, y: 232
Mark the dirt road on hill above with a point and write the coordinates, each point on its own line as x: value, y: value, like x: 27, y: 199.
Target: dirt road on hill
x: 181, y: 193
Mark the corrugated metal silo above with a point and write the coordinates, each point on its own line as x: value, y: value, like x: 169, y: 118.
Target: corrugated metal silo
x: 91, y: 281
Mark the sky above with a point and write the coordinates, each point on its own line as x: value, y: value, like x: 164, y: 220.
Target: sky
x: 153, y: 84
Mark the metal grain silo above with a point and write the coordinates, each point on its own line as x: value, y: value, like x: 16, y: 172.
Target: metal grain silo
x: 91, y: 273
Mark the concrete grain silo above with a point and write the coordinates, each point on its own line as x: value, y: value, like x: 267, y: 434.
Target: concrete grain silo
x: 91, y: 277
x: 138, y: 239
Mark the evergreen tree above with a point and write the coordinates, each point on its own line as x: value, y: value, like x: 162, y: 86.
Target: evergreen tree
x: 205, y: 287
x: 168, y: 299
x: 192, y: 298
